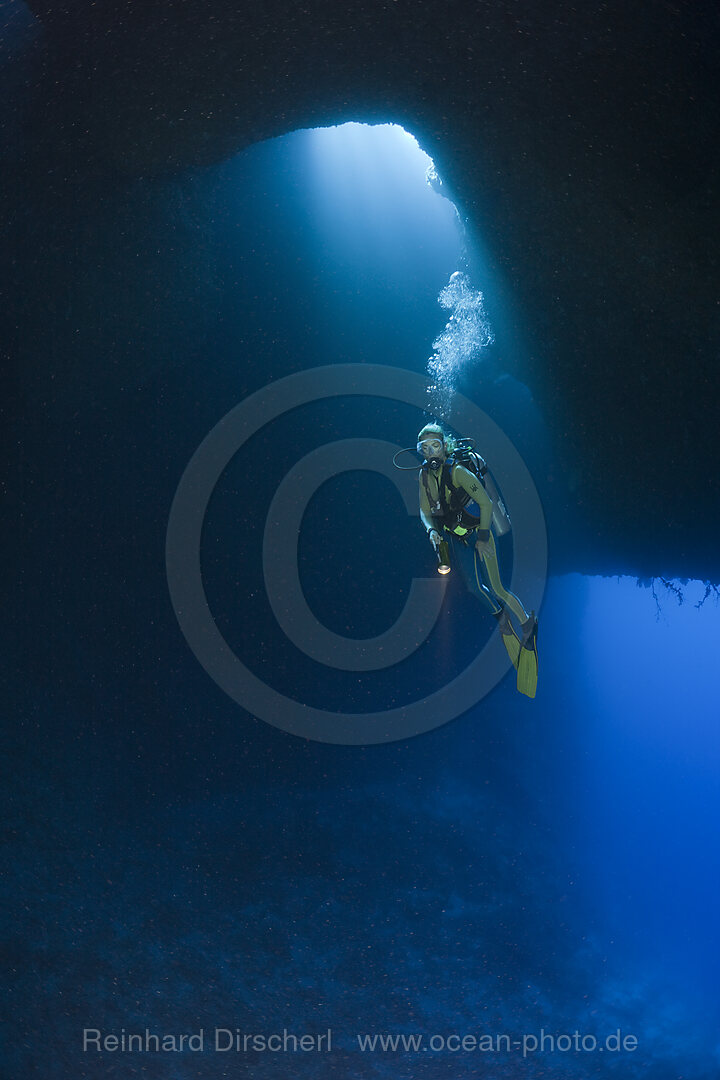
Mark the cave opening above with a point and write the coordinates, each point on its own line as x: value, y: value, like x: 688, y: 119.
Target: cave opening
x: 334, y: 246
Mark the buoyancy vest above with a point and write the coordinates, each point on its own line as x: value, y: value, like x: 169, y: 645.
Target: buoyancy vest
x: 449, y: 509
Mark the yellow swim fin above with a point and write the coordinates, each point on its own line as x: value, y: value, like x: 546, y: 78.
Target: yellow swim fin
x: 510, y: 639
x: 527, y: 665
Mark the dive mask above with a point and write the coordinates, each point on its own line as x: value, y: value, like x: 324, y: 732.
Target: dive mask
x: 431, y: 449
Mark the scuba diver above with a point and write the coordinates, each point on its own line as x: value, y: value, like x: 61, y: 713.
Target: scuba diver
x: 452, y: 479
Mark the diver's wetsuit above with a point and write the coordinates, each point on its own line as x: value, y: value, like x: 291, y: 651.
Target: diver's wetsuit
x: 481, y: 573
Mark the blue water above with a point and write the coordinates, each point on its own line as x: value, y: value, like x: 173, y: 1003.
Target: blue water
x: 180, y: 863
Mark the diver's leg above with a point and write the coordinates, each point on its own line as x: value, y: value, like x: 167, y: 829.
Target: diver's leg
x: 509, y: 637
x: 465, y: 559
x: 490, y: 572
x: 523, y: 650
x: 468, y: 561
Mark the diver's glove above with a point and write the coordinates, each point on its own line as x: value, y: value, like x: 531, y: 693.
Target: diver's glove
x: 483, y: 535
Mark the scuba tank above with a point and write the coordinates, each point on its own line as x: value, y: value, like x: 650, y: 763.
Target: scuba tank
x: 463, y: 454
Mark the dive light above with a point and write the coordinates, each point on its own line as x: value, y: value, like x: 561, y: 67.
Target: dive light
x: 443, y: 557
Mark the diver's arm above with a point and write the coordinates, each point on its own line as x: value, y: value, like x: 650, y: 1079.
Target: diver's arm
x: 466, y: 480
x: 425, y: 515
